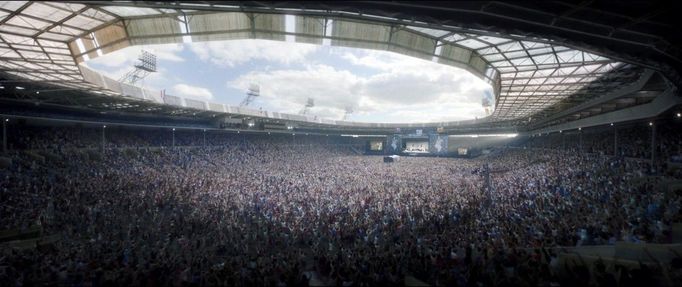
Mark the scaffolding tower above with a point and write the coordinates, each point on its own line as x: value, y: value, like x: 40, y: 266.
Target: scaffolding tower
x: 252, y: 93
x: 348, y: 113
x: 309, y: 104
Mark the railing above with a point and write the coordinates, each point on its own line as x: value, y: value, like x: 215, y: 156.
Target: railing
x: 18, y: 234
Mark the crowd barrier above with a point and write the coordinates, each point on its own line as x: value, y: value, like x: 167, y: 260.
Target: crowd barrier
x: 30, y: 243
x: 18, y: 234
x: 5, y: 162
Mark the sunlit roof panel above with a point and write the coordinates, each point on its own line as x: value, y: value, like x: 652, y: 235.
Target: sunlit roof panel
x: 493, y: 40
x: 28, y: 22
x: 516, y: 54
x: 83, y: 22
x: 509, y: 47
x: 60, y: 57
x: 131, y: 11
x: 494, y: 57
x: 545, y: 59
x: 313, y: 26
x: 98, y: 15
x: 71, y: 7
x: 12, y: 5
x: 45, y: 12
x: 12, y: 39
x: 522, y: 61
x: 273, y: 23
x: 472, y: 44
x: 219, y: 26
x: 415, y: 44
x: 65, y: 30
x: 8, y: 53
x: 33, y: 55
x: 150, y: 31
x: 18, y: 30
x: 428, y: 31
x: 56, y: 36
x: 453, y: 38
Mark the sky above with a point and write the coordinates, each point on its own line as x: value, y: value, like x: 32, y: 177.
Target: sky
x: 378, y: 86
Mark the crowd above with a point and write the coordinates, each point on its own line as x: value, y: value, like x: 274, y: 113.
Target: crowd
x: 631, y: 140
x: 89, y: 137
x: 259, y: 211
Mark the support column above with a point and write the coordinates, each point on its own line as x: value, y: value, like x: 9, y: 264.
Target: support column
x: 103, y: 138
x: 615, y: 141
x: 173, y: 137
x: 4, y: 135
x: 653, y: 143
x: 580, y: 140
x: 530, y: 142
x: 204, y: 137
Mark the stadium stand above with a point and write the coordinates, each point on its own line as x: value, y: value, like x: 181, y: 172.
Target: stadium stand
x: 575, y: 178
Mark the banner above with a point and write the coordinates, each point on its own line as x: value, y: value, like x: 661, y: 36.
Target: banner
x: 438, y: 144
x: 394, y: 144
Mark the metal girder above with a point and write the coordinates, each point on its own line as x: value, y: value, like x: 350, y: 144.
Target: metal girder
x: 14, y: 13
x: 61, y: 22
x: 625, y: 90
x: 663, y: 102
x: 35, y: 36
x: 416, y: 11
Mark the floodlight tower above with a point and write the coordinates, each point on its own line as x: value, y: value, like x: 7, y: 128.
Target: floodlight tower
x: 309, y: 104
x: 487, y: 103
x: 145, y: 65
x: 349, y: 111
x: 251, y: 94
x: 486, y: 106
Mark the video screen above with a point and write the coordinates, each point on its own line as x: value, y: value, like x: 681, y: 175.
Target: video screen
x: 417, y: 146
x: 462, y: 151
x: 376, y: 145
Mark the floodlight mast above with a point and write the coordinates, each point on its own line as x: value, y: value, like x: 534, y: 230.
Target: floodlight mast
x: 487, y: 103
x: 348, y: 113
x: 252, y: 93
x: 145, y: 65
x: 487, y: 106
x: 309, y: 104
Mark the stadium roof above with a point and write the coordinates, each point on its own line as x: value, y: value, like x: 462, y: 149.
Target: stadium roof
x: 532, y: 74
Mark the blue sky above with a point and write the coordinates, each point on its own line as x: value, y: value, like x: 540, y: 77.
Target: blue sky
x: 379, y: 86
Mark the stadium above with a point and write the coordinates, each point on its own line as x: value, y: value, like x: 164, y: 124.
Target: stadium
x: 364, y: 143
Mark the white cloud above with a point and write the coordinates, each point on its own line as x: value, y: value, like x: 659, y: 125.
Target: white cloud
x: 402, y: 91
x: 168, y: 52
x: 379, y: 86
x: 236, y: 52
x: 194, y: 92
x: 388, y: 61
x: 288, y: 90
x: 443, y: 111
x: 118, y: 63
